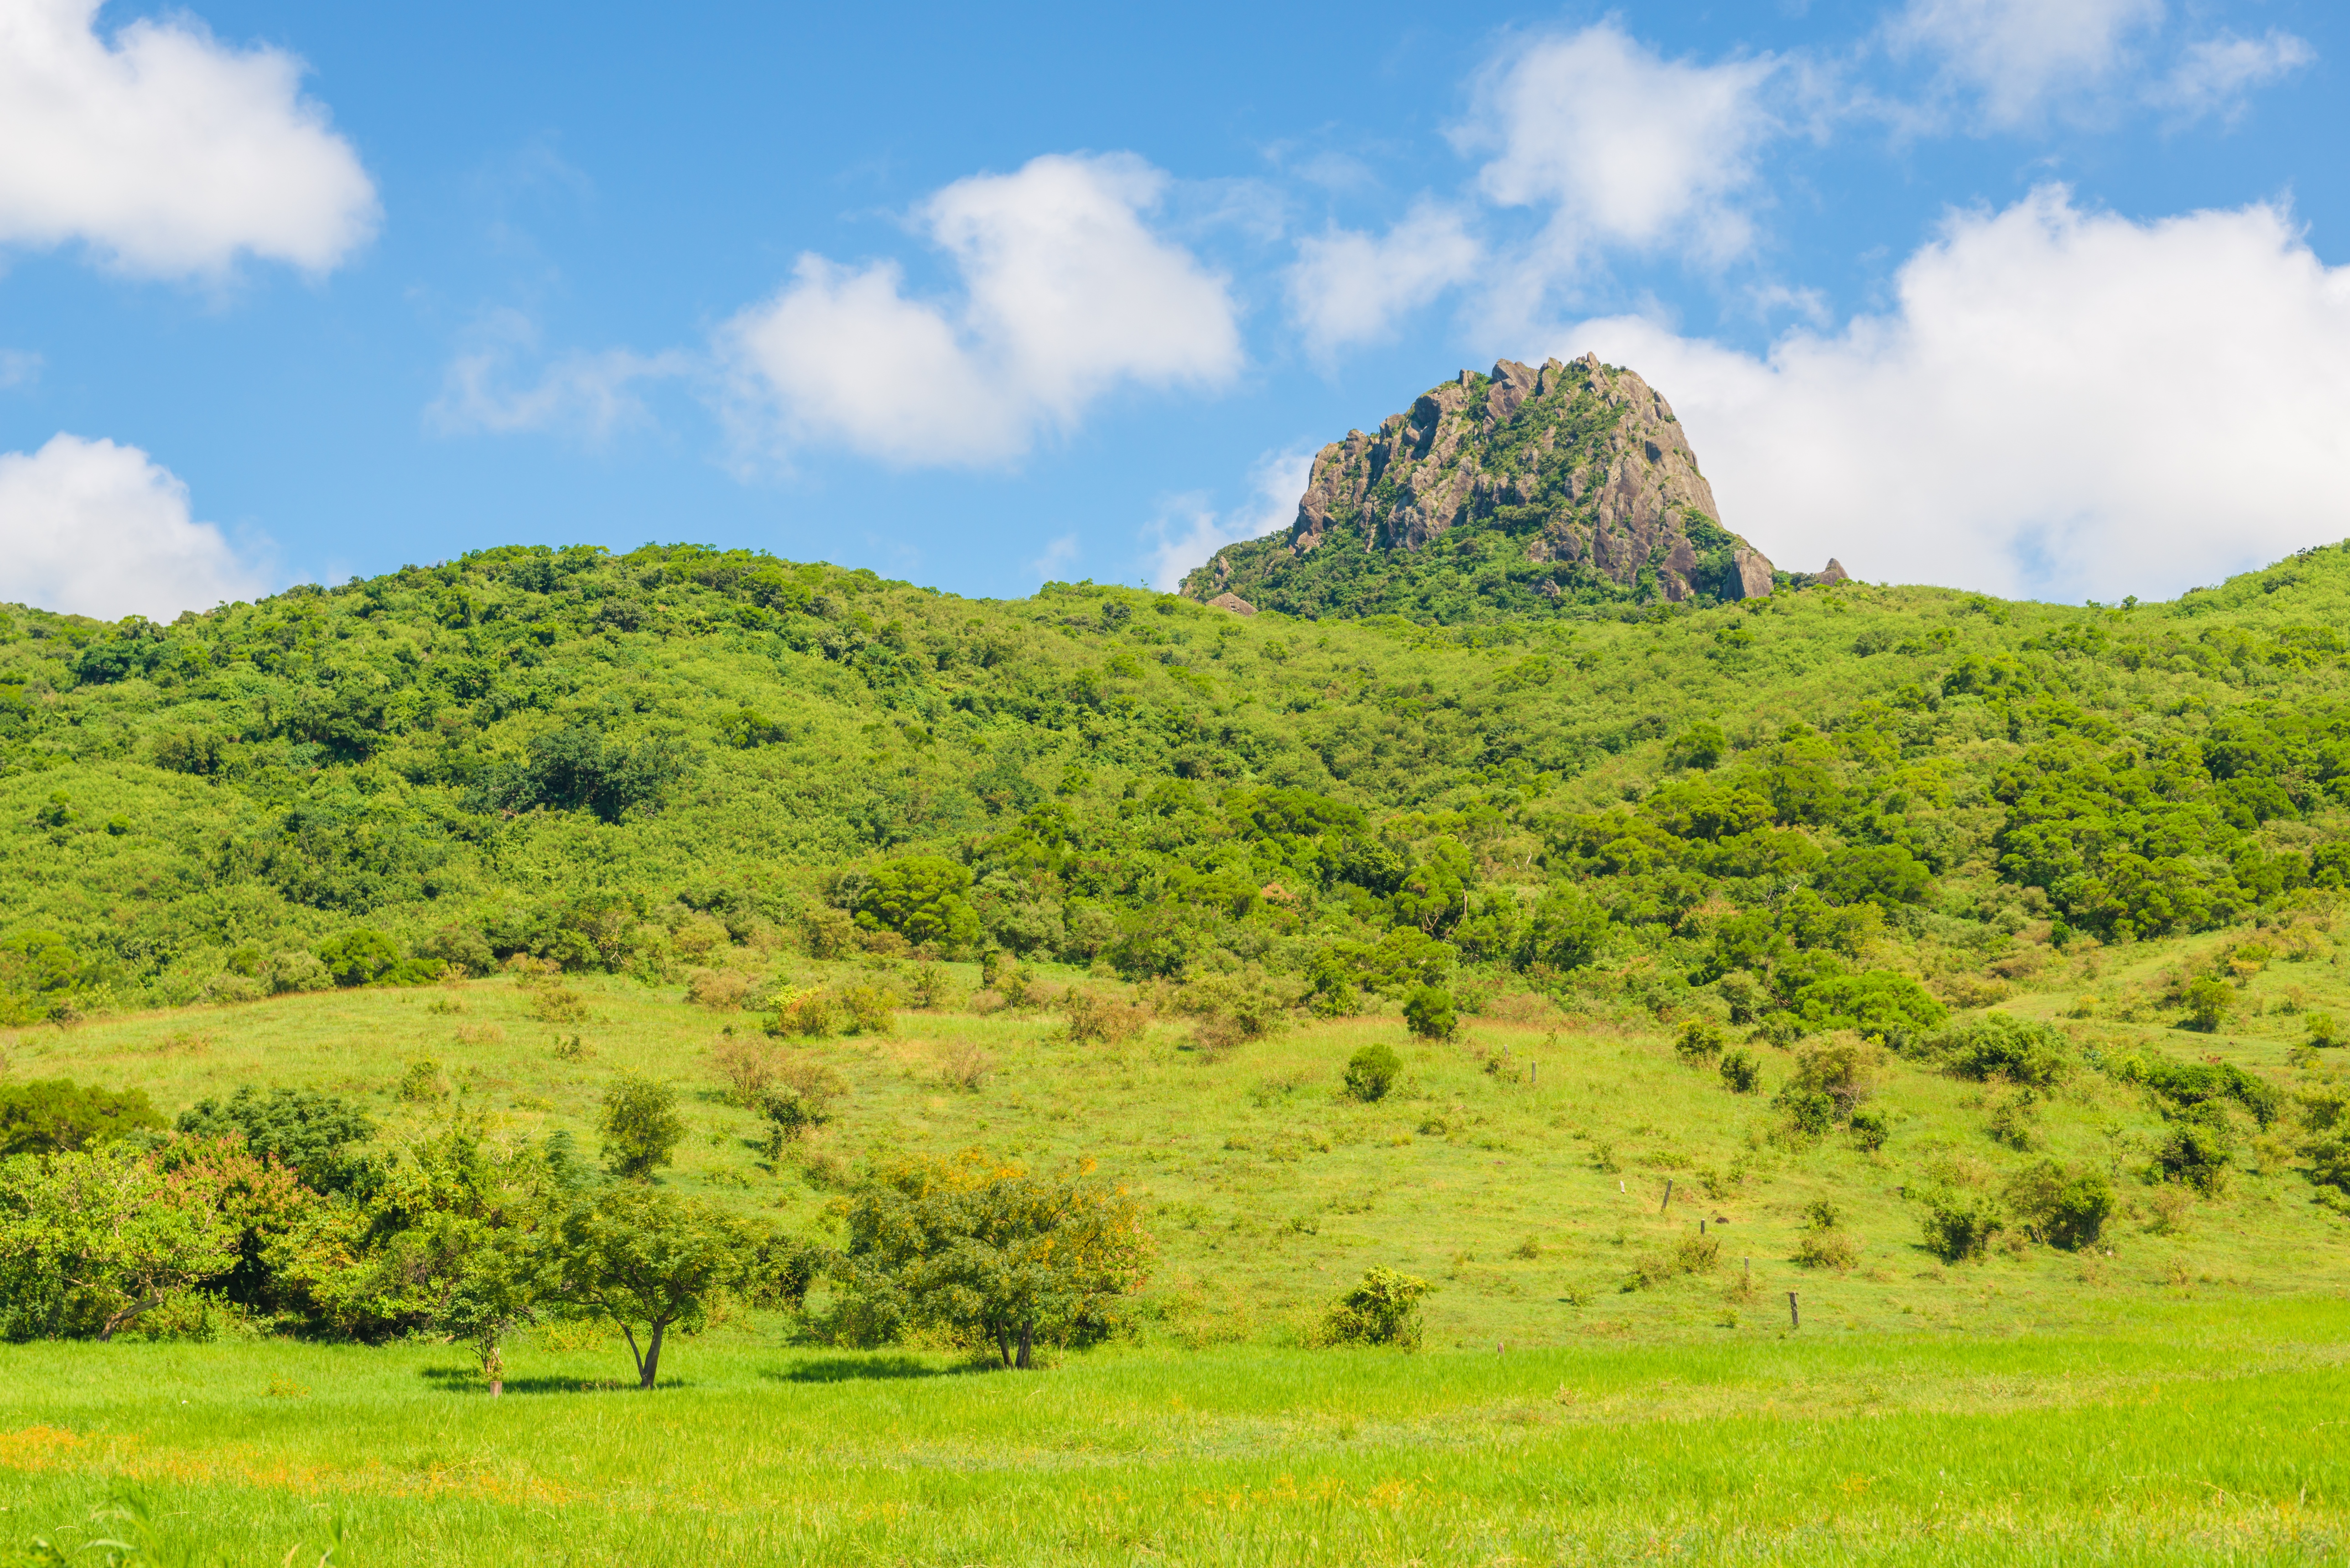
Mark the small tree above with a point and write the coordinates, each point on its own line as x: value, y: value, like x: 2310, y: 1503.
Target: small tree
x: 96, y: 1240
x: 1382, y: 1310
x: 2209, y: 1002
x: 991, y: 1252
x: 1372, y: 1071
x: 920, y: 897
x: 1428, y: 1010
x: 640, y: 1126
x: 640, y: 1258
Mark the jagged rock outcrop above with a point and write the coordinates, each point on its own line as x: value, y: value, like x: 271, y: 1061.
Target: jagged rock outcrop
x: 1582, y: 466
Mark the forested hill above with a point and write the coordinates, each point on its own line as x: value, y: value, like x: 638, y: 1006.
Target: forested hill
x: 1836, y: 805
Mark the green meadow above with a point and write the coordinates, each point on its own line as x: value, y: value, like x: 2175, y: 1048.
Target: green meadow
x: 1593, y: 1389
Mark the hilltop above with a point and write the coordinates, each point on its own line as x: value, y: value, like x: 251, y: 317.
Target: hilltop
x: 1526, y: 492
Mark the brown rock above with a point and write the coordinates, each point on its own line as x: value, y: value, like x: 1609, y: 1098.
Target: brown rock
x: 1833, y: 572
x: 1233, y: 603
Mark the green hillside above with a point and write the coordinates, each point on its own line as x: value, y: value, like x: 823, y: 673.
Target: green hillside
x: 1805, y: 808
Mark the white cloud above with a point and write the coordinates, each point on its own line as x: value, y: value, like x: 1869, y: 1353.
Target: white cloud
x: 166, y: 151
x: 587, y: 395
x: 1347, y: 286
x: 2213, y: 75
x: 2061, y: 402
x: 97, y: 529
x: 1188, y: 530
x: 1625, y: 147
x: 1066, y: 294
x: 2021, y: 56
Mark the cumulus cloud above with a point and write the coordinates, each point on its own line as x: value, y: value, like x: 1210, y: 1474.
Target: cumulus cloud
x: 1347, y: 286
x: 93, y: 528
x: 1067, y: 293
x: 1624, y: 147
x: 2213, y: 75
x: 1187, y: 531
x: 2021, y: 56
x: 587, y: 395
x: 166, y: 151
x: 2061, y: 402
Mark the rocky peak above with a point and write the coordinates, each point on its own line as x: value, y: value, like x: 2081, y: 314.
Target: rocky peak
x: 1583, y: 464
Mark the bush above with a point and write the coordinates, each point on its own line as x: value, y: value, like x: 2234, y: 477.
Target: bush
x: 1958, y: 1228
x: 2198, y: 1154
x: 1700, y: 1043
x: 459, y: 948
x: 1741, y: 1071
x: 641, y: 1127
x: 1824, y: 1243
x: 747, y: 1068
x: 933, y: 986
x: 799, y: 1098
x: 1095, y: 1017
x: 308, y: 1132
x: 360, y: 957
x: 57, y: 1116
x: 283, y: 974
x: 721, y: 991
x: 804, y: 1015
x: 1870, y: 1128
x: 1382, y: 1310
x: 871, y: 1010
x: 1996, y: 1047
x: 1428, y: 1012
x: 2064, y: 1209
x: 423, y: 1083
x: 1809, y: 1111
x: 2209, y: 1002
x: 2320, y: 1029
x: 1372, y: 1071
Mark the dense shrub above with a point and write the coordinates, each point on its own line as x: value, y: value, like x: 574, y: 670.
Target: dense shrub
x: 2063, y: 1207
x: 2196, y: 1153
x: 1961, y: 1228
x: 1997, y: 1045
x: 1700, y: 1042
x: 2208, y: 1001
x: 1372, y: 1071
x: 315, y: 1134
x: 1741, y: 1071
x: 921, y: 899
x: 1427, y: 1013
x: 1384, y: 1309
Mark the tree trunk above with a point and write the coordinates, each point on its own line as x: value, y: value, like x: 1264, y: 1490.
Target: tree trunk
x: 493, y: 1368
x: 126, y: 1315
x: 1004, y: 1345
x: 1027, y: 1331
x: 651, y: 1363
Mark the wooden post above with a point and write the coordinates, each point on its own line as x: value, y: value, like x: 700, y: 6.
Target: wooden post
x: 1668, y: 1203
x: 1750, y: 1273
x: 1700, y: 1227
x: 1794, y: 1318
x: 1533, y: 1075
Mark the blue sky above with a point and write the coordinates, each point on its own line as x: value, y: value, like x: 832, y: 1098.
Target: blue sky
x: 2033, y: 296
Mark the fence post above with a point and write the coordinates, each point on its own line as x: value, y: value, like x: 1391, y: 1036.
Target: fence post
x: 1794, y: 1318
x: 1668, y: 1203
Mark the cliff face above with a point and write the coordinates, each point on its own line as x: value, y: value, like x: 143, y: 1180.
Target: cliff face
x: 1575, y: 480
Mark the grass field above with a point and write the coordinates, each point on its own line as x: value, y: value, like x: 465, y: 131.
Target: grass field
x: 2168, y: 1433
x: 2171, y: 1394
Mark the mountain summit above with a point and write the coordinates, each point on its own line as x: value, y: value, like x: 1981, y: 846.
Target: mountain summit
x: 1527, y: 488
